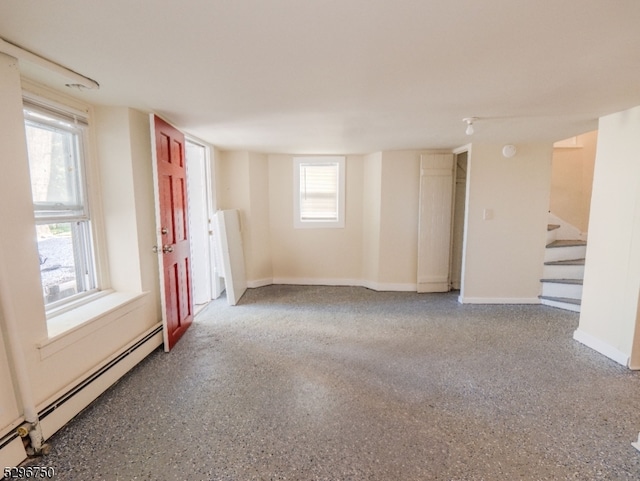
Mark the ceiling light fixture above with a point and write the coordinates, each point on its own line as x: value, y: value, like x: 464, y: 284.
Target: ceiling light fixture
x: 469, y: 121
x: 509, y: 151
x: 22, y: 54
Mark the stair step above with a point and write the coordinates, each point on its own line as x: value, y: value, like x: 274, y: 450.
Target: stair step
x: 553, y: 226
x: 565, y: 303
x: 566, y: 243
x: 568, y: 262
x: 571, y: 288
x: 567, y: 300
x: 562, y: 250
x: 563, y: 271
x: 560, y: 270
x: 576, y: 282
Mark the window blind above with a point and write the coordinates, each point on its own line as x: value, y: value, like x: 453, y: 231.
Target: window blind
x: 55, y: 151
x: 51, y: 112
x: 319, y: 191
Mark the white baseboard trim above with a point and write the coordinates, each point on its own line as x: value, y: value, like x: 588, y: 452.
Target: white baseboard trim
x: 374, y: 286
x: 259, y: 283
x: 430, y: 287
x: 308, y: 281
x: 389, y: 287
x: 498, y: 300
x: 602, y: 347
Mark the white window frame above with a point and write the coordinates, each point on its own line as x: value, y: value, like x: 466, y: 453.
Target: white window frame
x: 298, y: 222
x: 84, y: 229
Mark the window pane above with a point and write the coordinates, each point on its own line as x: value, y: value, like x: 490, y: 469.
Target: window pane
x: 56, y: 164
x: 66, y: 265
x: 55, y: 176
x: 319, y: 192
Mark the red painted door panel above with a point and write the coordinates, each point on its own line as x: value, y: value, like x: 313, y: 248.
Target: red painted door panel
x: 172, y: 195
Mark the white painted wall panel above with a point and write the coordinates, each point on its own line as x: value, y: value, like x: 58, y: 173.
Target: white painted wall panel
x: 434, y: 224
x: 231, y: 253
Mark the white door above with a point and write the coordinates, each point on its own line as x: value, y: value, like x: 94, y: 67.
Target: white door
x: 434, y: 223
x: 199, y: 222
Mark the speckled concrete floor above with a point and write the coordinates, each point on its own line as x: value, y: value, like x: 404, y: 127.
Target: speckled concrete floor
x: 334, y: 383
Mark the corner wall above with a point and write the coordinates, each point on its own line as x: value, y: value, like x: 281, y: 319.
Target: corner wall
x: 243, y: 184
x: 371, y: 205
x: 609, y: 313
x: 506, y: 224
x: 105, y: 328
x: 400, y: 197
x: 572, y: 181
x: 16, y: 210
x: 314, y: 256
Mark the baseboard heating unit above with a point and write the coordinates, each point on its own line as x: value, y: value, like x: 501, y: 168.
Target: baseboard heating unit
x: 58, y: 412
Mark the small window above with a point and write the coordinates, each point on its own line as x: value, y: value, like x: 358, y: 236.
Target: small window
x: 55, y: 144
x: 319, y: 192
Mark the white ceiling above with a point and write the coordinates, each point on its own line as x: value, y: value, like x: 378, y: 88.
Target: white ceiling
x: 347, y: 76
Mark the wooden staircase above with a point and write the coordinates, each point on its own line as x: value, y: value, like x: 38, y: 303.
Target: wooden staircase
x: 563, y: 272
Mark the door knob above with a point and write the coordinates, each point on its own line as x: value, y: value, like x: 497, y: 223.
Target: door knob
x: 167, y: 248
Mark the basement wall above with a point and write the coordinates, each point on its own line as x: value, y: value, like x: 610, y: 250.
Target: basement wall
x: 314, y: 256
x: 572, y: 181
x: 56, y: 359
x: 378, y: 246
x: 609, y: 315
x: 506, y: 224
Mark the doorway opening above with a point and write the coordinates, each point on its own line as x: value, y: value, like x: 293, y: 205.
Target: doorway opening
x: 201, y: 199
x: 572, y: 171
x: 458, y: 224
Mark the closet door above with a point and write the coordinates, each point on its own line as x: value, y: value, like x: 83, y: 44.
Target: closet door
x: 434, y: 223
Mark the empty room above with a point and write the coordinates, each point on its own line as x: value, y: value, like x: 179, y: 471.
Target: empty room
x: 318, y: 239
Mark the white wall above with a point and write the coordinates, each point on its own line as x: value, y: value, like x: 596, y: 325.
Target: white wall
x: 609, y: 313
x: 314, y: 256
x: 389, y: 220
x: 399, y: 220
x: 371, y: 205
x: 15, y: 218
x: 378, y: 246
x: 243, y: 184
x: 56, y: 361
x: 18, y: 228
x: 505, y: 253
x: 259, y: 234
x: 9, y: 412
x: 572, y: 181
x: 123, y: 149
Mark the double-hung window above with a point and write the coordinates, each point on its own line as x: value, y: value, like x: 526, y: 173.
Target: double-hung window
x: 56, y: 143
x: 319, y: 191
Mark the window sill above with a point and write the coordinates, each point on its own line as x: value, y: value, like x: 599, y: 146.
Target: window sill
x: 318, y: 225
x: 69, y: 327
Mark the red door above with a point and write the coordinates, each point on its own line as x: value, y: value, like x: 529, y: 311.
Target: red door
x: 173, y: 231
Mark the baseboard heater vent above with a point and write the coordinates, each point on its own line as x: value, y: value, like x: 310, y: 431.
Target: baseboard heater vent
x: 71, y: 393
